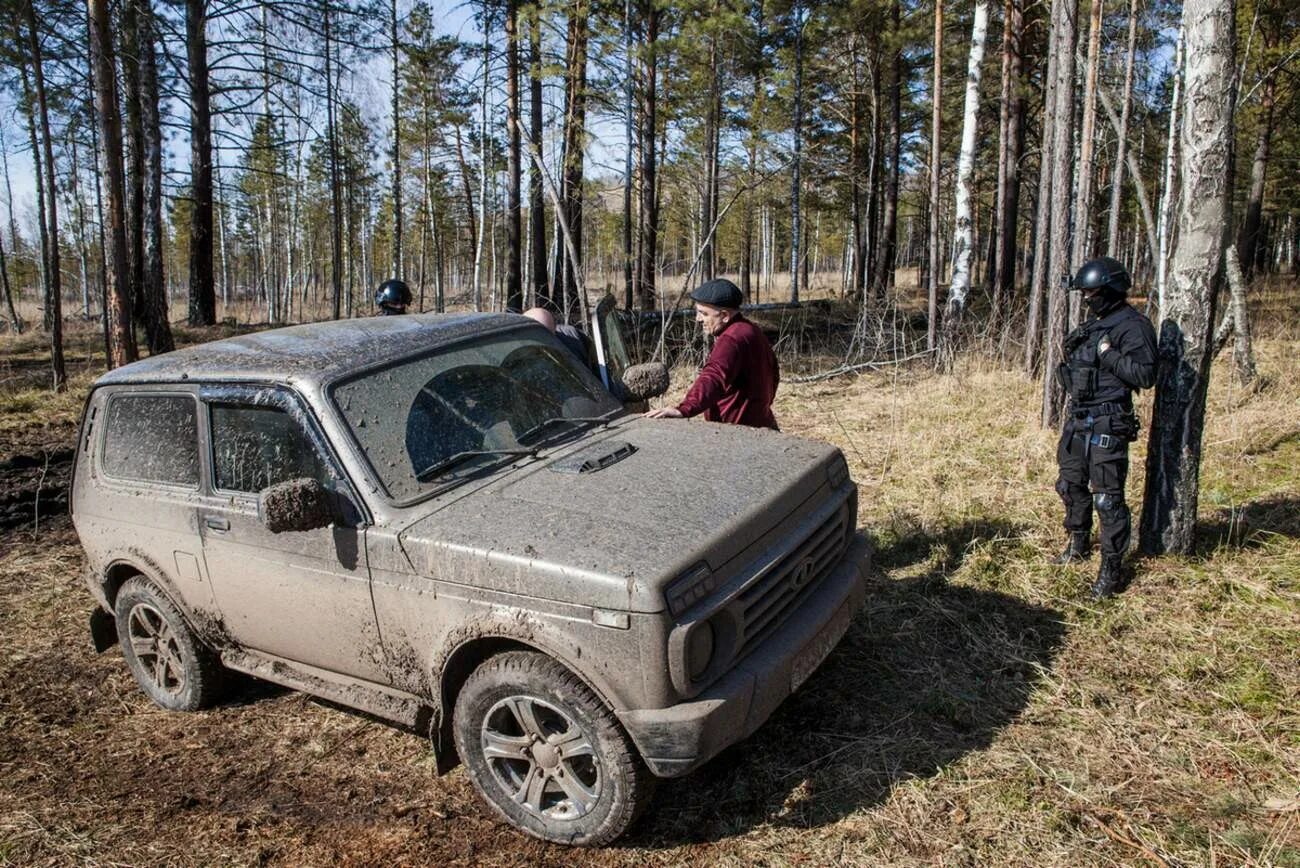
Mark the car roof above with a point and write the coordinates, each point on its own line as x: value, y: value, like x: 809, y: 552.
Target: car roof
x: 314, y: 353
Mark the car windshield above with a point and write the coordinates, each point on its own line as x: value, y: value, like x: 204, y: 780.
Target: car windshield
x: 480, y: 403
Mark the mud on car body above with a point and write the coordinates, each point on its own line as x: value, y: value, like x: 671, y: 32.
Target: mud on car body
x: 448, y: 522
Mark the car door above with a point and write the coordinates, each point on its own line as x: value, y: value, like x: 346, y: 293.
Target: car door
x: 612, y: 357
x: 303, y: 596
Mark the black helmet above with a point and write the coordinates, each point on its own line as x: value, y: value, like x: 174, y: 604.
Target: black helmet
x: 1102, y: 273
x: 393, y: 296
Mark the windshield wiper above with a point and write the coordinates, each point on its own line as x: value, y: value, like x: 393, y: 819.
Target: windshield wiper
x: 460, y: 457
x: 554, y: 420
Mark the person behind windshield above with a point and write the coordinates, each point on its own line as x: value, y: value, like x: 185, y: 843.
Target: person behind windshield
x: 574, y: 341
x: 739, y: 379
x: 392, y: 297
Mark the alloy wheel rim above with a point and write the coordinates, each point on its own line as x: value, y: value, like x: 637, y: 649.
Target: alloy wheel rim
x: 154, y: 644
x: 541, y: 758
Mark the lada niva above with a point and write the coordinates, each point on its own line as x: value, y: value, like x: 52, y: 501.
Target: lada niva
x: 451, y: 523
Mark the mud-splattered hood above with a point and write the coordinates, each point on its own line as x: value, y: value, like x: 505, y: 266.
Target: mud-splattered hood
x: 671, y: 494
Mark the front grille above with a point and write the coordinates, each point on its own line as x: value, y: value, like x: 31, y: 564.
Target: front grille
x: 773, y: 596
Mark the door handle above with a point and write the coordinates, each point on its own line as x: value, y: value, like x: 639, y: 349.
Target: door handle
x: 217, y: 523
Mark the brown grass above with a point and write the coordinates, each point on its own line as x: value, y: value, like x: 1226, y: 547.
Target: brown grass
x: 982, y: 710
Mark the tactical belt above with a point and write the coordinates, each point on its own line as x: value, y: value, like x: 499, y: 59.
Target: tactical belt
x: 1106, y: 441
x: 1107, y: 408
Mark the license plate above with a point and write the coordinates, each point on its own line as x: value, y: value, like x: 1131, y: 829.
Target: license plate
x: 816, y: 651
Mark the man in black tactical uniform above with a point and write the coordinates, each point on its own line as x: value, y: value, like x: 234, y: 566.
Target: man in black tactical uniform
x: 1106, y: 359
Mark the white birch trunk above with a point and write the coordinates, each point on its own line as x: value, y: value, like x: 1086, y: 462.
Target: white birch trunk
x: 1163, y: 228
x: 962, y: 237
x: 1186, y: 317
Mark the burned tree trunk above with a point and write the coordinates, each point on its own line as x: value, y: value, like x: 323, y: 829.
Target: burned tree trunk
x: 1182, y: 379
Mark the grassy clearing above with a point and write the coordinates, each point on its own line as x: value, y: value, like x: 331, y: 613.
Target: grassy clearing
x: 982, y: 710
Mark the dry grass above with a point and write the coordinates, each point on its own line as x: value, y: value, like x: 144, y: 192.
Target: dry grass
x: 981, y: 710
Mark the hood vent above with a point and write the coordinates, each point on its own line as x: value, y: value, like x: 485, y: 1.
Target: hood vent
x: 596, y: 458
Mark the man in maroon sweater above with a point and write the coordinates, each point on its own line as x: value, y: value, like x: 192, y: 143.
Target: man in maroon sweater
x: 739, y: 380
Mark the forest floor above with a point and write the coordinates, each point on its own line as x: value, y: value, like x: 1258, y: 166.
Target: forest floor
x: 981, y: 710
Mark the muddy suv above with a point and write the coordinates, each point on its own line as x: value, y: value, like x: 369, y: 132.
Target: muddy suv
x: 451, y: 523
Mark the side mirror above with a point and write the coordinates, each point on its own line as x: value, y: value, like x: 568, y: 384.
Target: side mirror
x: 295, y: 504
x: 645, y: 381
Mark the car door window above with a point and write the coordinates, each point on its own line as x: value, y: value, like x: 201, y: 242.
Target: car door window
x: 255, y: 447
x: 152, y: 438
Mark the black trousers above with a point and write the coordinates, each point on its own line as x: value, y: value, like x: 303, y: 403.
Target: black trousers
x: 1085, y: 465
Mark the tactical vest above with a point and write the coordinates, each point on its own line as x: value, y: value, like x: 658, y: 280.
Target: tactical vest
x: 1079, y: 373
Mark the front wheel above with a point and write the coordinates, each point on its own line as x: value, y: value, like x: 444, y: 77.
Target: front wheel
x: 546, y: 754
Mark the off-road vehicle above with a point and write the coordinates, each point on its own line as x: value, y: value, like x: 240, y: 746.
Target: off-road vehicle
x: 451, y: 523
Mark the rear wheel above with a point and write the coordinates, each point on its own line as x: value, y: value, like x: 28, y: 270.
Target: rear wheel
x: 546, y: 754
x: 168, y: 661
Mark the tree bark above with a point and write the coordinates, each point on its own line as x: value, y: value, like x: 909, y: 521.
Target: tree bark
x: 883, y: 278
x: 397, y: 144
x: 963, y: 241
x: 1042, y: 221
x: 1121, y: 144
x: 1064, y: 35
x: 1186, y: 350
x: 1003, y: 274
x: 336, y: 198
x: 54, y: 284
x: 936, y: 122
x: 158, y: 331
x: 1087, y: 140
x: 135, y: 170
x: 1236, y: 321
x: 1163, y: 227
x: 649, y: 211
x: 798, y: 146
x: 536, y: 205
x: 514, y: 262
x: 1248, y: 242
x: 121, y: 339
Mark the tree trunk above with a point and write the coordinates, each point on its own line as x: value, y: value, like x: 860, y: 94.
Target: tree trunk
x: 1174, y: 449
x: 883, y: 278
x: 649, y: 210
x: 482, y: 164
x: 121, y: 339
x: 1121, y: 144
x: 629, y: 48
x: 936, y: 121
x: 397, y: 144
x: 336, y: 196
x: 1042, y: 221
x: 1236, y: 321
x: 536, y: 205
x: 575, y: 129
x: 54, y: 284
x: 158, y: 331
x: 963, y: 241
x: 1248, y: 242
x: 1064, y: 34
x: 1163, y: 226
x: 514, y: 290
x: 134, y: 114
x: 798, y: 145
x: 1079, y: 249
x: 1003, y: 273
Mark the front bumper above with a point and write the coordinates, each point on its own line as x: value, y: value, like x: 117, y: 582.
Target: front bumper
x: 679, y: 739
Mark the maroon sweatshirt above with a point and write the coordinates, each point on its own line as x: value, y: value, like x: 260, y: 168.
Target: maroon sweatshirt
x: 739, y: 380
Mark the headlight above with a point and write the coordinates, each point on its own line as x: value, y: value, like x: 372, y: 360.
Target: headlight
x: 685, y: 592
x: 699, y: 650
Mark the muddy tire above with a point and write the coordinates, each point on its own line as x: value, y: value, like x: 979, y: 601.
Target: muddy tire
x: 546, y: 754
x: 168, y: 661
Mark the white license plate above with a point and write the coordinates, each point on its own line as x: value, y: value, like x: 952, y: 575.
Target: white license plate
x: 816, y: 651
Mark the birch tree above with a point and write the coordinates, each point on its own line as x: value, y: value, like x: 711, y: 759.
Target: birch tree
x: 1186, y: 317
x: 936, y: 125
x: 963, y: 241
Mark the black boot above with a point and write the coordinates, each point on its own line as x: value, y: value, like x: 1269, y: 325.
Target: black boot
x: 1110, y: 578
x: 1078, y: 549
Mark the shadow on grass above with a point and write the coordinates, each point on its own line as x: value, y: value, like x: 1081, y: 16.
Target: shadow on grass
x: 928, y: 673
x: 1249, y: 525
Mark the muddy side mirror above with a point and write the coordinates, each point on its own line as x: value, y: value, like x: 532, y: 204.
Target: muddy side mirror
x: 295, y: 504
x: 645, y: 381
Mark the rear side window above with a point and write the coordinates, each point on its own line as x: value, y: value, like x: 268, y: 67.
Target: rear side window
x: 152, y: 438
x: 255, y: 447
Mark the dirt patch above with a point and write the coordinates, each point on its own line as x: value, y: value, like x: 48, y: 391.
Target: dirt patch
x: 34, y: 488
